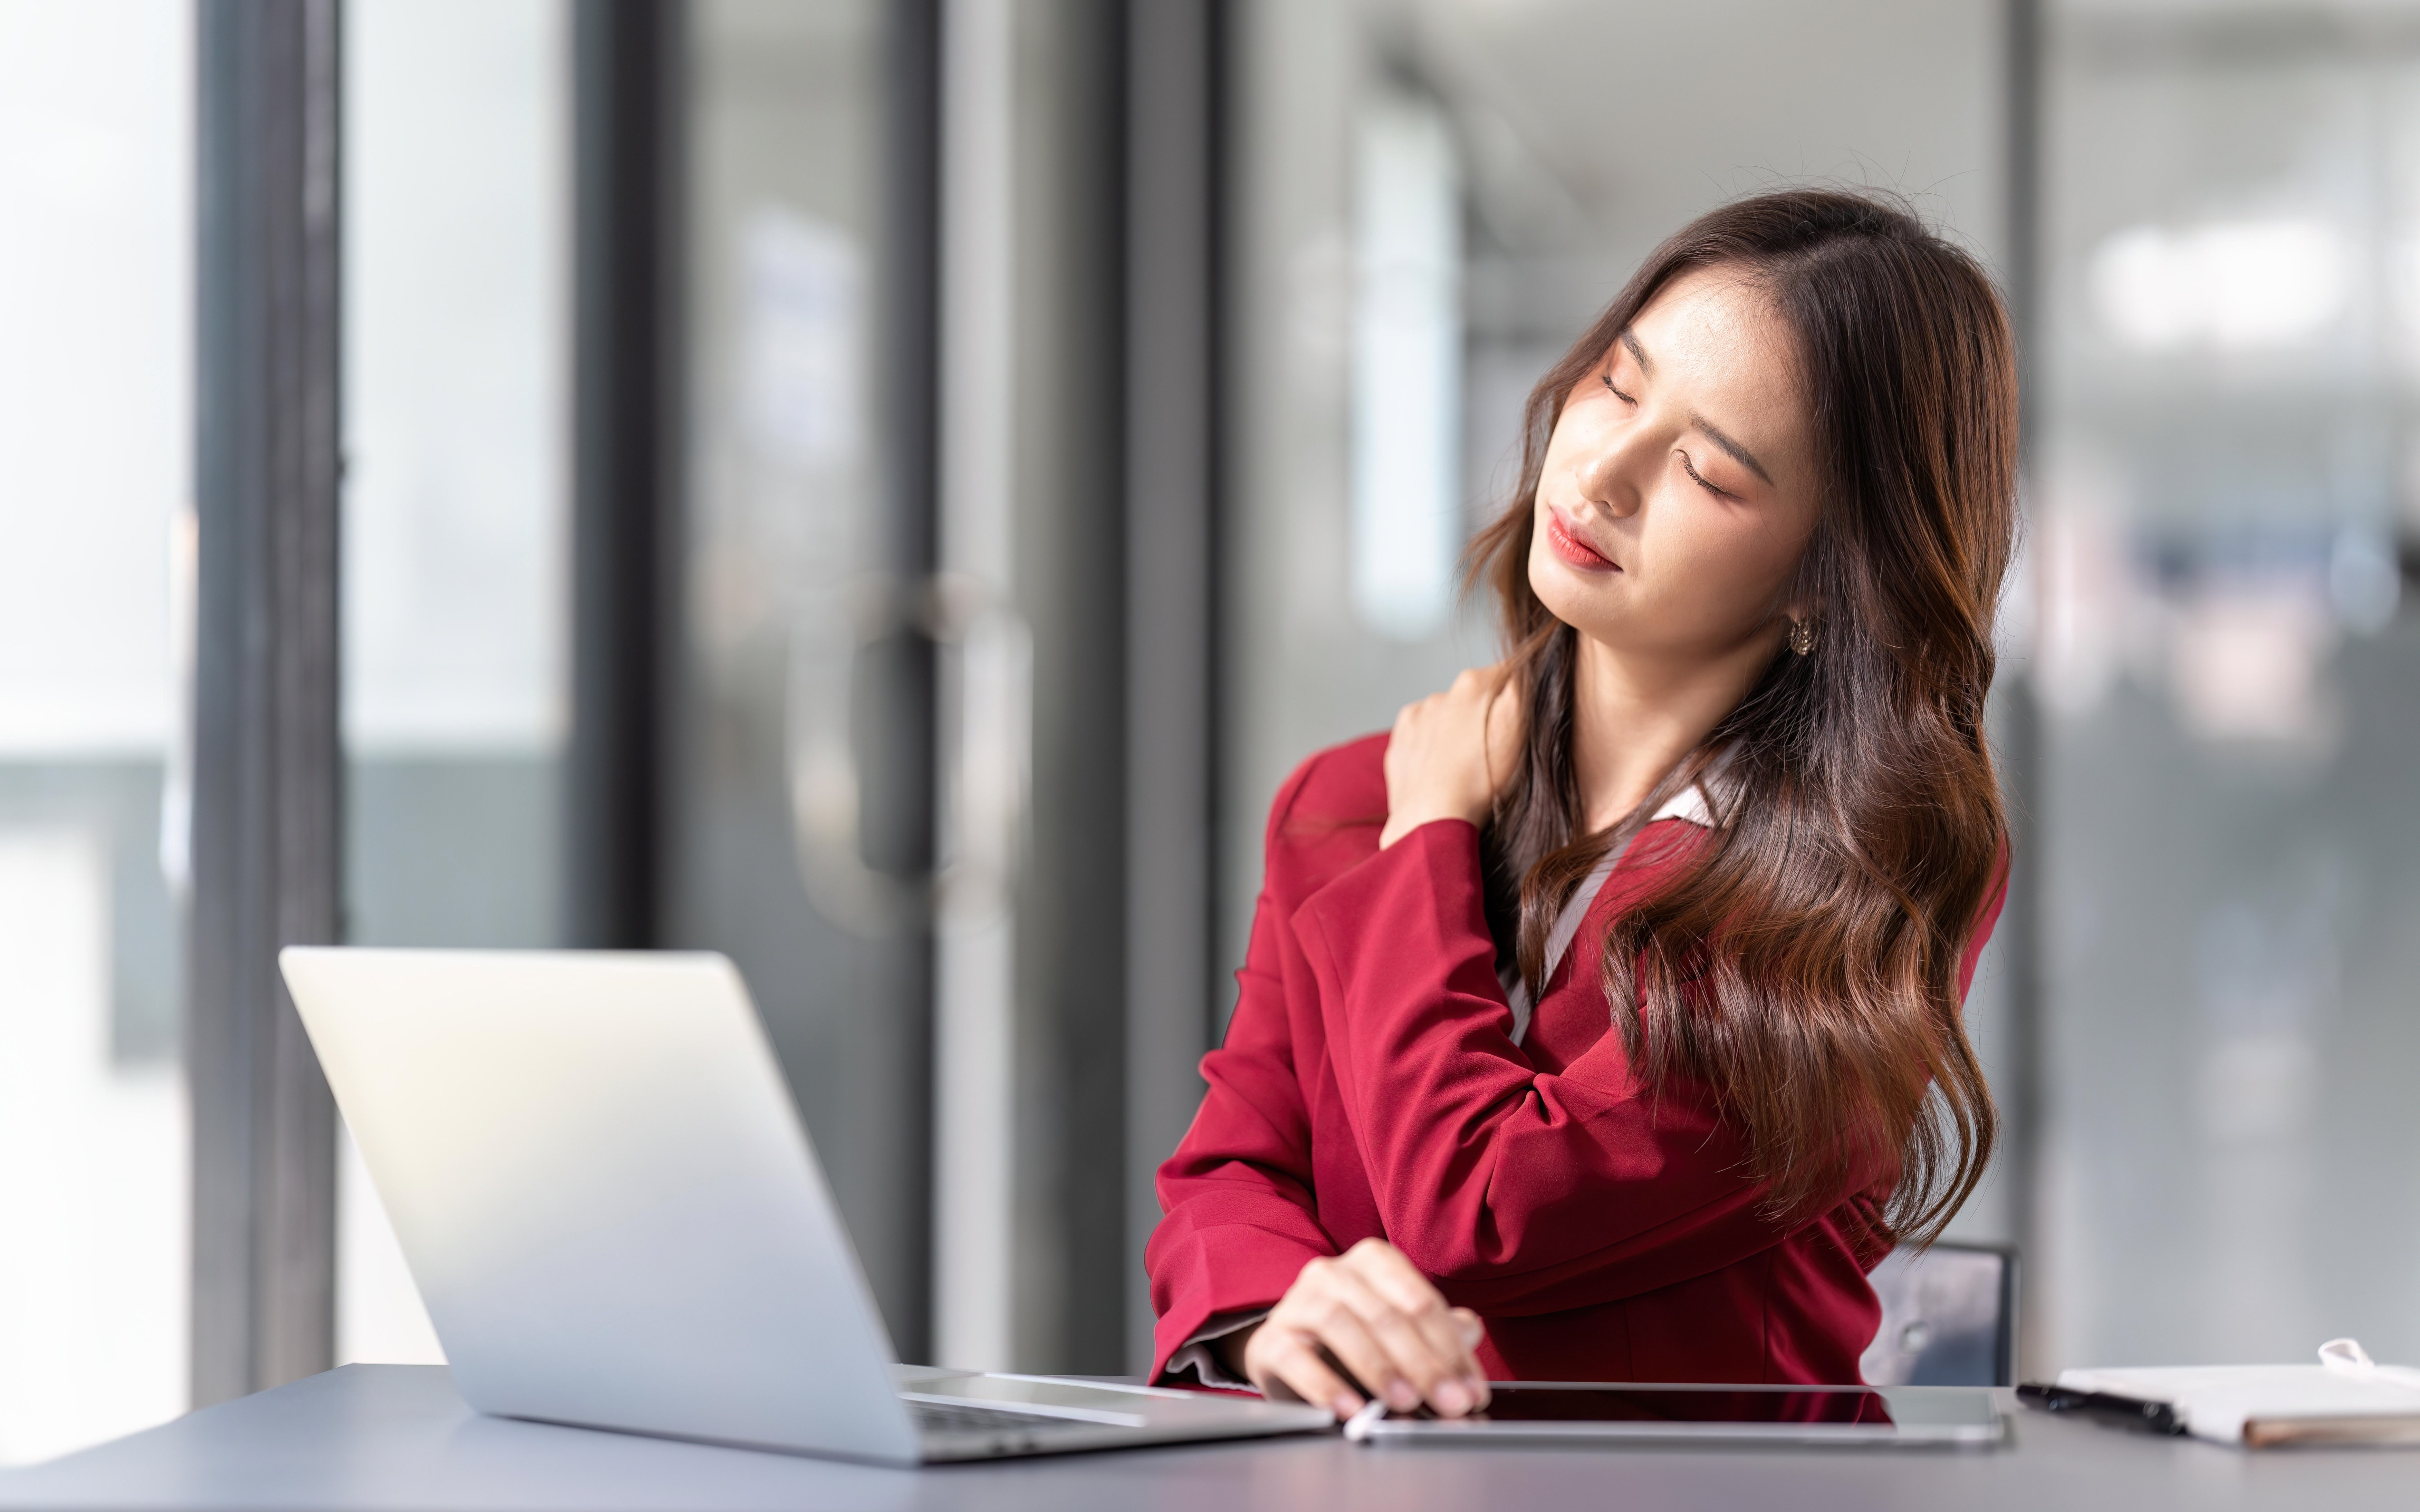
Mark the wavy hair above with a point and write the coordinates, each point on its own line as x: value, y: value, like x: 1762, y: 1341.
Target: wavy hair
x: 1802, y: 966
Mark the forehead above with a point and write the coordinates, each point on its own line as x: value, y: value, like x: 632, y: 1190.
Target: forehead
x: 1714, y: 330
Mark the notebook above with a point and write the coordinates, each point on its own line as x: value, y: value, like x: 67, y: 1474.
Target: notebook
x: 2345, y: 1399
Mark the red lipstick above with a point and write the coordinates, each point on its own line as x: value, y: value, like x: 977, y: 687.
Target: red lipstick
x: 1573, y: 549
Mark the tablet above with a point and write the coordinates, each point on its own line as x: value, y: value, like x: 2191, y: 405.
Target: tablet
x: 1582, y: 1412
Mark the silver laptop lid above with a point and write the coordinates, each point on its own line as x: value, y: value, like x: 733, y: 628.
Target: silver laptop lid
x: 604, y: 1193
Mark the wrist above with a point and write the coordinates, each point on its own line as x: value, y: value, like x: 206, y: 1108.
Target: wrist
x: 1402, y: 822
x: 1227, y: 1349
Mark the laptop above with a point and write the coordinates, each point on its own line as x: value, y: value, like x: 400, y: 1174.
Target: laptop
x: 616, y: 1219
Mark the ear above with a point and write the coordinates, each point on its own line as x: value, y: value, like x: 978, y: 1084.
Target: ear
x: 1800, y: 602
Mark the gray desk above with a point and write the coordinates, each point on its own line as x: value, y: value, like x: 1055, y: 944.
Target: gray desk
x: 398, y: 1437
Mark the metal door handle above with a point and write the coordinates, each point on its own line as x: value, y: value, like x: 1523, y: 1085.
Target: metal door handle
x: 985, y: 690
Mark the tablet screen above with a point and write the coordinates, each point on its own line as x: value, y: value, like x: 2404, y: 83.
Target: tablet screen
x: 1569, y: 1411
x: 1665, y: 1404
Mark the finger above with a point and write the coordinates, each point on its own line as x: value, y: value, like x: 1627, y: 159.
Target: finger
x: 1473, y: 1334
x: 1391, y: 1273
x: 1448, y: 1339
x: 1294, y: 1367
x: 1505, y: 705
x: 1501, y: 734
x: 1407, y: 1292
x: 1341, y: 1327
x: 1432, y: 1377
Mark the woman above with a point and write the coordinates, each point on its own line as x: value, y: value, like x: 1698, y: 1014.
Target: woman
x: 1724, y: 815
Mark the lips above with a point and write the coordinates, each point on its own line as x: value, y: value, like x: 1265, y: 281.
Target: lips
x: 1569, y: 546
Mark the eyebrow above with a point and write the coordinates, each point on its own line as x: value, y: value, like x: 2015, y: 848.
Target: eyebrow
x: 1739, y: 453
x: 1713, y: 433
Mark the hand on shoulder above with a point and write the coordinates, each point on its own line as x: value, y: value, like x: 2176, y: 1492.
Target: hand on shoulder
x: 1451, y: 753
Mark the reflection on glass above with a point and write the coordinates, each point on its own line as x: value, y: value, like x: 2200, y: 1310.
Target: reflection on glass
x: 2231, y: 670
x: 1408, y: 516
x: 777, y: 855
x: 95, y: 152
x: 455, y: 549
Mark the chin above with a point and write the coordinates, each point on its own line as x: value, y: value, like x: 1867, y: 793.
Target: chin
x: 1569, y: 599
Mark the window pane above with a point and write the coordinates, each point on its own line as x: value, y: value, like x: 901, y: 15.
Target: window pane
x: 457, y: 198
x: 2230, y: 666
x: 96, y: 290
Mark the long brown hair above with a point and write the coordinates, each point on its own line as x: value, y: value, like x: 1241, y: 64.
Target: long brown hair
x: 1803, y: 967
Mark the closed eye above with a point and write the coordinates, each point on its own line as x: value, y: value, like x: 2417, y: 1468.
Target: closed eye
x: 1686, y: 466
x: 1615, y: 393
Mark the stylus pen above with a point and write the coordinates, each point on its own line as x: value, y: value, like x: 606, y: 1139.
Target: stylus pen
x: 2101, y: 1407
x: 1358, y: 1426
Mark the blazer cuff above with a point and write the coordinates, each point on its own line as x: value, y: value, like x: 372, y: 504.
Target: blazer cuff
x: 1206, y: 1283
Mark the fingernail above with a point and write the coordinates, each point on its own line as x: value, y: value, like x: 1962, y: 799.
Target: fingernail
x: 1401, y: 1396
x: 1345, y: 1405
x: 1472, y: 1331
x: 1452, y: 1399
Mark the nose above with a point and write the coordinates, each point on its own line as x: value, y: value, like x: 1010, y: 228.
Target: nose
x: 1609, y: 475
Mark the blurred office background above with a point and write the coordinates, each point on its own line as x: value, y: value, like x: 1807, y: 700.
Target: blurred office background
x: 888, y: 489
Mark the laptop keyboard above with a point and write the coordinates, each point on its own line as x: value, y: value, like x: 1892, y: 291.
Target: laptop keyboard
x: 939, y: 1417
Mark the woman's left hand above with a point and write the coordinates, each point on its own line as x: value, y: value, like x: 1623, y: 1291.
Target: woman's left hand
x: 1451, y: 753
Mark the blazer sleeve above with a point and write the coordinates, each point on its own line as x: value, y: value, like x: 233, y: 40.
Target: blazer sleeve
x: 1239, y: 1220
x: 1521, y: 1191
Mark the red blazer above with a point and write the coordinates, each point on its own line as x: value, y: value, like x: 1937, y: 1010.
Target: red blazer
x: 1369, y: 1086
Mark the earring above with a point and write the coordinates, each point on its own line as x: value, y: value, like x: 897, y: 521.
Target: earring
x: 1802, y: 635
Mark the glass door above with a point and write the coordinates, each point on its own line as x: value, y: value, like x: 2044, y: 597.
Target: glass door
x: 800, y: 836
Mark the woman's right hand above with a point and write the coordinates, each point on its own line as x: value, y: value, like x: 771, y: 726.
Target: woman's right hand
x: 1450, y: 752
x: 1369, y: 1310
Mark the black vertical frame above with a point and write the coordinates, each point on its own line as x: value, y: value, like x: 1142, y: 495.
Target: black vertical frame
x: 625, y: 216
x: 903, y: 787
x: 1174, y: 84
x: 2021, y: 746
x: 267, y: 757
x: 1072, y: 564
